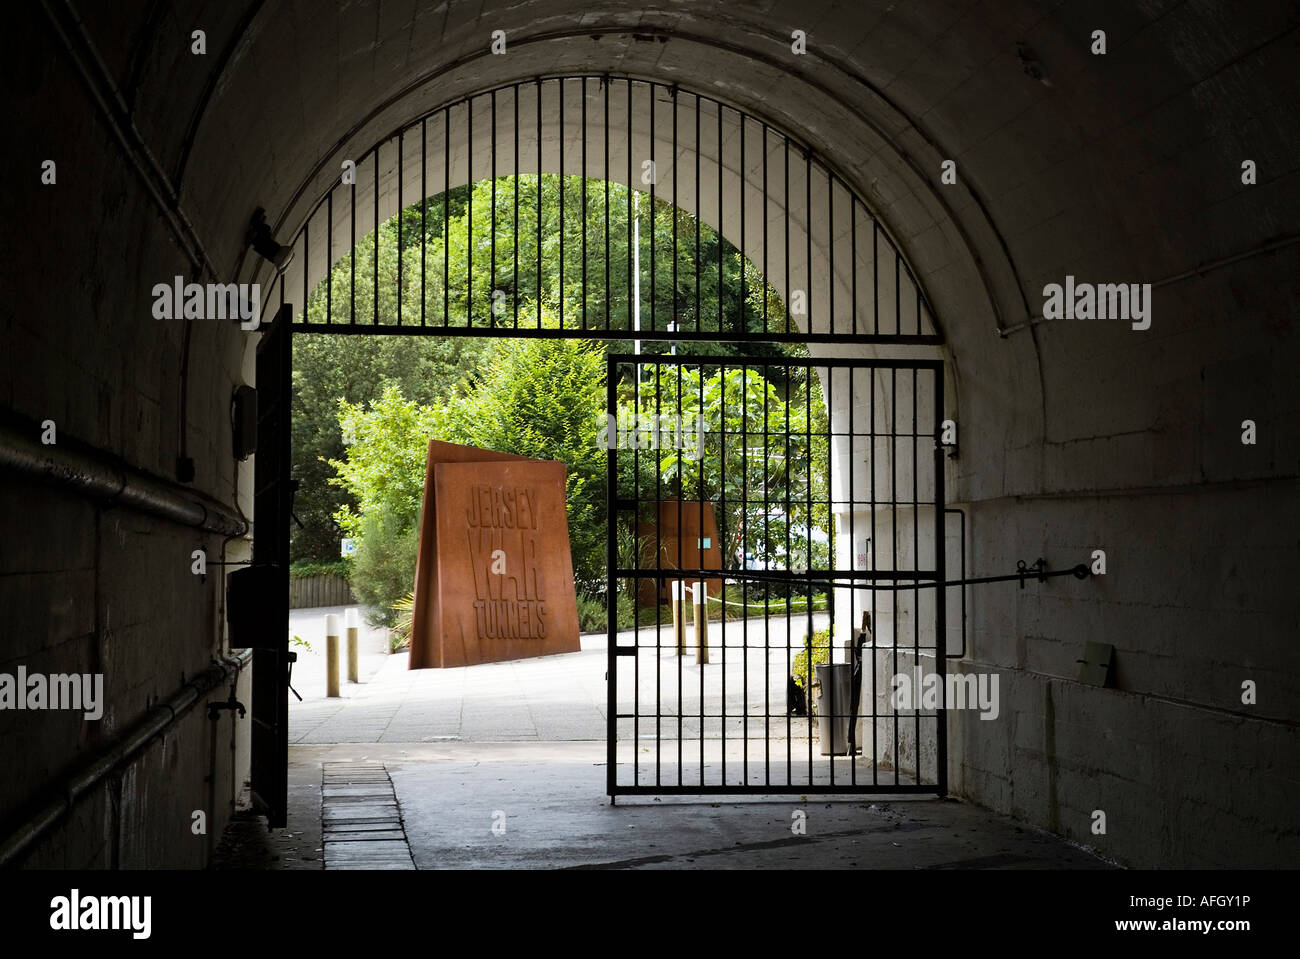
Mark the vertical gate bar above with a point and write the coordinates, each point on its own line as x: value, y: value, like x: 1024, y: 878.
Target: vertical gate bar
x: 679, y: 608
x: 809, y: 373
x: 916, y: 562
x: 940, y: 565
x: 611, y: 587
x: 699, y: 215
x: 401, y: 140
x: 875, y: 282
x: 584, y: 202
x: 830, y: 245
x: 853, y: 258
x: 916, y: 299
x: 636, y: 580
x: 893, y: 524
x: 673, y: 301
x: 788, y: 292
x: 306, y: 262
x: 853, y: 548
x: 789, y: 586
x: 352, y: 252
x: 424, y: 208
x: 741, y: 321
x: 492, y: 239
x: 722, y: 510
x: 807, y: 182
x: 514, y: 237
x: 560, y: 280
x: 830, y: 511
x: 658, y: 564
x: 871, y: 562
x: 700, y: 493
x: 898, y: 310
x: 446, y: 217
x: 767, y: 283
x: 469, y: 212
x: 374, y: 284
x: 630, y: 188
x: 744, y: 583
x: 329, y: 257
x: 810, y: 673
x: 539, y: 203
x: 605, y: 168
x: 721, y: 224
x: 654, y: 180
x: 767, y: 588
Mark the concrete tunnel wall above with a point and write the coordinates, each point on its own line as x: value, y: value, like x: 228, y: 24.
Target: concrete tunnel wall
x: 1075, y: 435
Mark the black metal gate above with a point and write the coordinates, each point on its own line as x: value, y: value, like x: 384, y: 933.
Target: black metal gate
x: 272, y: 494
x: 619, y: 209
x: 800, y: 495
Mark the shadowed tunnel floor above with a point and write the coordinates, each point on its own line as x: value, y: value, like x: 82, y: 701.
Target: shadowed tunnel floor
x: 550, y: 798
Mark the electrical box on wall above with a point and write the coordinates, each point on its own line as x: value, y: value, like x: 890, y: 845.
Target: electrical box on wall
x: 250, y: 593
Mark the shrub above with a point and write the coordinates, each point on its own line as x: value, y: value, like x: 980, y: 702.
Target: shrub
x: 404, y: 610
x: 592, y: 614
x: 816, y: 651
x: 383, y: 566
x: 305, y: 569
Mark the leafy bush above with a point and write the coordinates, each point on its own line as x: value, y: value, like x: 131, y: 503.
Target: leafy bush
x: 816, y: 651
x: 535, y: 398
x: 383, y: 566
x: 592, y: 615
x: 305, y: 569
x: 404, y: 609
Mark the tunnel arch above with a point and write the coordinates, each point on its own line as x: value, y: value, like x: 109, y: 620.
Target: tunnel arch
x: 1075, y: 435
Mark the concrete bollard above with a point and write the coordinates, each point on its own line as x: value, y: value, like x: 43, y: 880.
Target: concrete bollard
x: 701, y: 624
x: 679, y: 615
x: 352, y: 623
x: 331, y: 655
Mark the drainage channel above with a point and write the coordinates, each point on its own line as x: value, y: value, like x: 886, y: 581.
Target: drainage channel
x: 361, y: 821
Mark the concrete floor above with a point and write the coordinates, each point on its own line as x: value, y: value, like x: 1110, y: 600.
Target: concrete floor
x: 522, y: 744
x: 551, y: 799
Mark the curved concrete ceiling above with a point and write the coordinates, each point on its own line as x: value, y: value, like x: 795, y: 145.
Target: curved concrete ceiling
x: 1122, y: 167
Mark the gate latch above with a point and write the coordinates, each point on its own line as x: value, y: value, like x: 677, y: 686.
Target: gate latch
x: 1038, y: 569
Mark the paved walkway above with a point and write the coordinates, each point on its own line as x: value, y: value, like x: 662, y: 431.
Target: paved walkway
x: 547, y: 699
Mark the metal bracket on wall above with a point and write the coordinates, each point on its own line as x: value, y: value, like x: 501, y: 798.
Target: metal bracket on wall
x: 215, y: 707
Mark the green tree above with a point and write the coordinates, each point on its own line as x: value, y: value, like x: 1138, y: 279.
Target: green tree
x: 536, y: 398
x: 440, y: 261
x: 762, y: 464
x: 545, y: 399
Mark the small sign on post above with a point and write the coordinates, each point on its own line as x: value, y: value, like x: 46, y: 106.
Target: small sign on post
x: 701, y: 623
